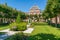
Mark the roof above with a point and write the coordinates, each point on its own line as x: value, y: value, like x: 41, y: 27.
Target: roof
x: 35, y: 7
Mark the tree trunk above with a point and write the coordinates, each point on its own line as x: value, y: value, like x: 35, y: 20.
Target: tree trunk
x: 56, y: 21
x: 50, y: 21
x: 59, y: 19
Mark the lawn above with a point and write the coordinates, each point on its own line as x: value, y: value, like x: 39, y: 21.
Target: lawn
x: 3, y: 27
x: 43, y: 31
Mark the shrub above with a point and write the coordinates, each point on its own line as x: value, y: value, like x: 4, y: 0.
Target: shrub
x: 13, y: 26
x: 22, y: 26
x: 18, y: 27
x: 18, y: 36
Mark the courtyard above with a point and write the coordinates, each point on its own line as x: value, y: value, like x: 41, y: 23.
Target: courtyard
x: 29, y: 19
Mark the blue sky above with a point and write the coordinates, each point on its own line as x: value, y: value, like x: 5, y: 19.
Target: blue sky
x: 25, y: 5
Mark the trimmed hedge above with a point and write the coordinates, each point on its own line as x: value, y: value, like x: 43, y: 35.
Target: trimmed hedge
x: 53, y: 24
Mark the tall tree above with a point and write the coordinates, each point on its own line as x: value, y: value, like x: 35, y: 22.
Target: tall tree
x: 52, y: 9
x: 18, y: 20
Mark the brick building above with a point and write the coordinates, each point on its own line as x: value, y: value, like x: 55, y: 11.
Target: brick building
x: 34, y: 10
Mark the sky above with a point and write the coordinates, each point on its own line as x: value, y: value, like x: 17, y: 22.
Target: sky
x: 25, y: 5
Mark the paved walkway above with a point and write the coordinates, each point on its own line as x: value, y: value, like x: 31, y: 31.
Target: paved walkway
x: 29, y: 30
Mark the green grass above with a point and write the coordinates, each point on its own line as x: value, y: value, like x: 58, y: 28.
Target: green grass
x: 42, y: 31
x: 4, y: 27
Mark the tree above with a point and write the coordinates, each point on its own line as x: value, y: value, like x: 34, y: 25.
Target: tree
x: 56, y: 9
x: 48, y: 14
x: 18, y: 20
x: 52, y: 9
x: 9, y: 12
